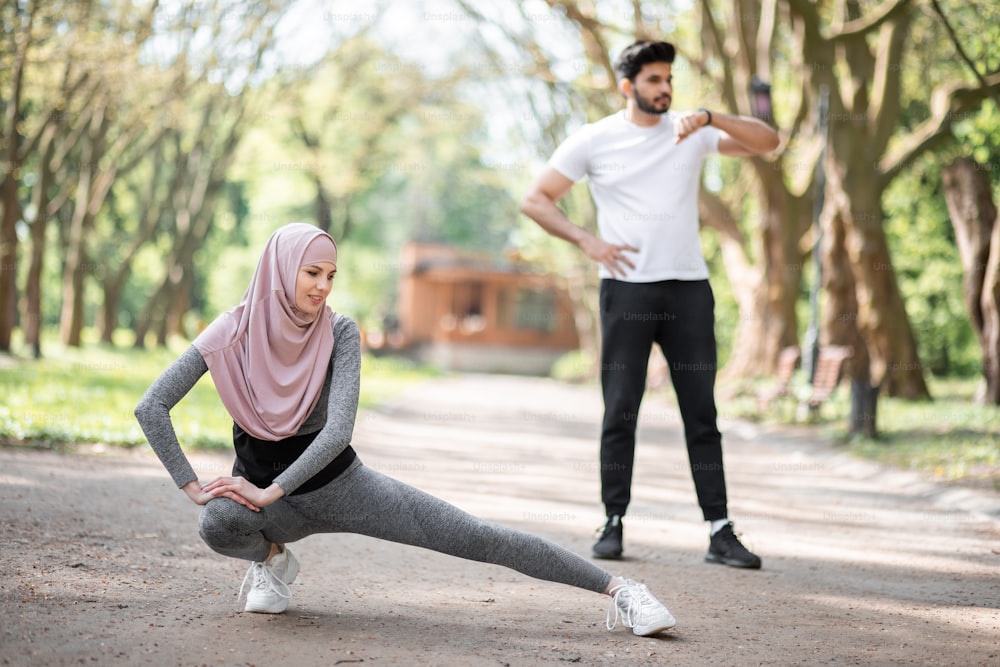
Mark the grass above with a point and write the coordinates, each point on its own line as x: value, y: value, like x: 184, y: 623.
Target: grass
x: 87, y: 395
x: 950, y: 438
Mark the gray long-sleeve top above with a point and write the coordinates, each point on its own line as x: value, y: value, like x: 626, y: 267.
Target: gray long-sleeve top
x: 333, y: 415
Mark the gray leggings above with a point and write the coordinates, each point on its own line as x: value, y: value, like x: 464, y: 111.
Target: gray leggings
x: 366, y: 502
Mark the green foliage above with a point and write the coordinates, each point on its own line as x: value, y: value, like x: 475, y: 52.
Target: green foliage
x: 951, y: 438
x: 88, y: 395
x: 727, y: 312
x: 929, y: 271
x: 576, y: 366
x: 366, y: 286
x: 404, y: 154
x: 399, y: 157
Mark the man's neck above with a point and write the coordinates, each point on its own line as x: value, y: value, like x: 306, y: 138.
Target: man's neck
x: 637, y: 116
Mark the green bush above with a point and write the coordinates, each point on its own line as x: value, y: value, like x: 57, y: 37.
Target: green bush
x: 88, y: 394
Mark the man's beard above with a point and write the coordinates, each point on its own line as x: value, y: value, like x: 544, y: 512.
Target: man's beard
x: 648, y: 106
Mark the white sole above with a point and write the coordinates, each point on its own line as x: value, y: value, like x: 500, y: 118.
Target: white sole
x: 265, y: 609
x: 652, y: 630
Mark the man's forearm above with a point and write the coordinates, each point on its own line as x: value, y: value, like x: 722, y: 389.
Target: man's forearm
x: 550, y: 217
x: 752, y: 133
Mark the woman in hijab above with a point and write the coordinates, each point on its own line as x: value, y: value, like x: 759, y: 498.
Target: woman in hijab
x: 287, y: 369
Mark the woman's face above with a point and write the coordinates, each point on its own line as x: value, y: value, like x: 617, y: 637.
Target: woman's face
x: 313, y: 285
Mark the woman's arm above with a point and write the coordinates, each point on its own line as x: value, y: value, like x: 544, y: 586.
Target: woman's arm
x: 153, y: 413
x: 341, y: 409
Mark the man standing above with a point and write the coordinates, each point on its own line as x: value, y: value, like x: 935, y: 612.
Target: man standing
x: 644, y: 165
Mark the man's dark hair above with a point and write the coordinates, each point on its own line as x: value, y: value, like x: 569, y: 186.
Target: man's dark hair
x: 640, y: 53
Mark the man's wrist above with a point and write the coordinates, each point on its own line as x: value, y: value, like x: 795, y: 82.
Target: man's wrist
x: 708, y: 116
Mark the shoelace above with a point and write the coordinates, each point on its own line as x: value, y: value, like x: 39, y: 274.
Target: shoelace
x: 264, y: 579
x: 731, y: 542
x: 635, y: 596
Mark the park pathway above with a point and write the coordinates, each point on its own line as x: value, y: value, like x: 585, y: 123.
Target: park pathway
x: 862, y: 566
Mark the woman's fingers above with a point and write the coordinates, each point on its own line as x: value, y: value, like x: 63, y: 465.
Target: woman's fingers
x: 232, y: 488
x: 241, y: 500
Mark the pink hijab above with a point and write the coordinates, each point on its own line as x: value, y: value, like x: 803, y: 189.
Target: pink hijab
x: 267, y: 358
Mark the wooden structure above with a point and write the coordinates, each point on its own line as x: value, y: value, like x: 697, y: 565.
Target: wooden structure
x: 830, y: 361
x: 469, y: 312
x: 826, y: 377
x: 788, y: 361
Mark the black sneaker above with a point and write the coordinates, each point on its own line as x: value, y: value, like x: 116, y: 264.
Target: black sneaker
x: 609, y: 544
x: 725, y: 548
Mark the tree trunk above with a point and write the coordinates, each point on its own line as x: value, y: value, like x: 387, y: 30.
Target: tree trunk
x: 882, y: 313
x: 206, y: 169
x: 321, y: 207
x: 75, y: 267
x: 990, y: 302
x: 152, y: 207
x: 765, y: 291
x: 10, y: 213
x: 142, y: 324
x: 974, y: 217
x: 747, y: 284
x: 840, y: 323
x: 180, y: 303
x: 854, y: 188
x: 10, y: 207
x: 108, y: 319
x: 31, y: 316
x: 92, y: 189
x: 768, y: 319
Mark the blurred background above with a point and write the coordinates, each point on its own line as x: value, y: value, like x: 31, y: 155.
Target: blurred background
x: 148, y: 149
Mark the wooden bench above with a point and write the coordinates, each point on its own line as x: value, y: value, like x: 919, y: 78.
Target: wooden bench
x: 788, y: 361
x: 827, y: 375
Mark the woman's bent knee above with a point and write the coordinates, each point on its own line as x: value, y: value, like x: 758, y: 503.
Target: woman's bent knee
x: 221, y: 519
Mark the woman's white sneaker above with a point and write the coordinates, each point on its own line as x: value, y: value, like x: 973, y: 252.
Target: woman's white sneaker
x: 284, y: 565
x: 638, y: 610
x: 269, y: 592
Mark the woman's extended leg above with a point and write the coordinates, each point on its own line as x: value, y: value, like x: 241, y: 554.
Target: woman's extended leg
x: 367, y: 502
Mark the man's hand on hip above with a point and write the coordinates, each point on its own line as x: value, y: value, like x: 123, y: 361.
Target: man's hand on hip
x: 611, y: 256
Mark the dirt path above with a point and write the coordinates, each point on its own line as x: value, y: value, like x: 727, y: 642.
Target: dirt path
x: 103, y: 564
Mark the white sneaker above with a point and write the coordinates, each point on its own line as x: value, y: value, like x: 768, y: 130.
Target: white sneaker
x: 284, y: 565
x: 639, y: 610
x: 269, y: 592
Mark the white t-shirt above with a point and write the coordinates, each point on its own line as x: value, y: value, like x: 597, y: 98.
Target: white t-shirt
x: 646, y: 190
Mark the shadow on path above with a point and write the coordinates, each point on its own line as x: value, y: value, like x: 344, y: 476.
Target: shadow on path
x: 861, y: 565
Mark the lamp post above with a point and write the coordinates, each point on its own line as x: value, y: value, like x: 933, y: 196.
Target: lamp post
x: 812, y: 333
x: 760, y: 99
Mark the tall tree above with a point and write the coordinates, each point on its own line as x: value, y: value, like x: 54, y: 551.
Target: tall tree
x: 15, y: 146
x: 859, y: 57
x: 977, y: 230
x: 764, y: 259
x: 212, y: 124
x: 114, y: 134
x: 857, y: 53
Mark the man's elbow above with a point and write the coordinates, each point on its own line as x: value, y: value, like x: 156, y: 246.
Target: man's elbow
x: 771, y: 142
x: 527, y: 205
